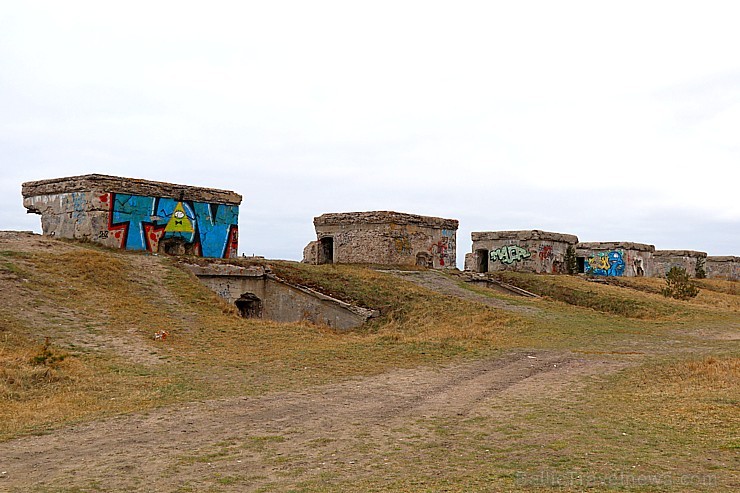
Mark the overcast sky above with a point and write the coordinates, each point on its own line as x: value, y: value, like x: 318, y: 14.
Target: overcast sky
x: 613, y: 121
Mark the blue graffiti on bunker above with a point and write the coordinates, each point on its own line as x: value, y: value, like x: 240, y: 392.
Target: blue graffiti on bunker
x: 606, y: 264
x: 210, y: 228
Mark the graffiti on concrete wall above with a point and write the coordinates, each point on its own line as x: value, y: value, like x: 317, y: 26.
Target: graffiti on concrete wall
x: 442, y: 249
x: 606, y: 264
x: 79, y: 206
x: 546, y: 253
x: 137, y: 222
x: 439, y: 250
x: 403, y: 245
x: 509, y: 254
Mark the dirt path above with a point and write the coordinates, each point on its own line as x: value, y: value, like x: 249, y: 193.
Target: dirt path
x: 283, y: 438
x: 443, y: 284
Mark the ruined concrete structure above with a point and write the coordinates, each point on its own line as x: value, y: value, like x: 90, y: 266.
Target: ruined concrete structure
x: 690, y: 260
x: 615, y: 259
x: 541, y: 252
x: 257, y: 293
x: 723, y: 267
x: 137, y: 214
x: 384, y: 238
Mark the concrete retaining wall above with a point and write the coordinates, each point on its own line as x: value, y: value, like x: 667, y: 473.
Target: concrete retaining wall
x: 278, y: 300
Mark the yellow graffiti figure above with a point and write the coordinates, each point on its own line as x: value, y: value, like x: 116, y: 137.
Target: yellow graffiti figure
x: 179, y: 222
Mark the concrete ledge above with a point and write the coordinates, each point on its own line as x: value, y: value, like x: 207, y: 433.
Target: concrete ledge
x: 384, y: 217
x: 613, y: 245
x: 534, y: 234
x: 724, y: 258
x: 680, y: 253
x: 133, y: 186
x: 227, y: 270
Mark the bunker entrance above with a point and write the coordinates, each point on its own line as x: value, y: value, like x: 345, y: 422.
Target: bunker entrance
x: 326, y: 250
x: 581, y: 261
x: 249, y: 306
x: 482, y: 257
x: 176, y: 246
x: 423, y: 259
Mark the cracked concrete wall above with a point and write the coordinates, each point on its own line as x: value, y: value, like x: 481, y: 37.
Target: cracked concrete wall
x: 137, y: 214
x: 384, y: 238
x: 663, y: 260
x: 536, y: 251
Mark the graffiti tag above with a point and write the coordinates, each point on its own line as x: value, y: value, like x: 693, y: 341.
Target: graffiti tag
x: 140, y: 223
x: 510, y: 254
x: 606, y: 264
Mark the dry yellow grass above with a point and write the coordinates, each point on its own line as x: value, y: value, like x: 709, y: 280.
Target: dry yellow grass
x: 101, y: 308
x: 695, y: 395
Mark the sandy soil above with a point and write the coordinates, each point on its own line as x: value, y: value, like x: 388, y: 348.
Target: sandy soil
x: 316, y: 430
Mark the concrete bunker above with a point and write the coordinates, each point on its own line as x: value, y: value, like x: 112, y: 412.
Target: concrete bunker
x: 257, y: 293
x: 692, y: 261
x: 249, y: 305
x: 326, y: 250
x: 383, y: 238
x: 136, y: 214
x: 723, y: 267
x: 615, y: 259
x: 536, y: 251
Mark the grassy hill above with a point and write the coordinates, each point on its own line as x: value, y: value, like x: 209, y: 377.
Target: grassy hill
x: 77, y: 325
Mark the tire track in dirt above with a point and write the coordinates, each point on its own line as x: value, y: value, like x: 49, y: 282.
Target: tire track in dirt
x: 131, y: 451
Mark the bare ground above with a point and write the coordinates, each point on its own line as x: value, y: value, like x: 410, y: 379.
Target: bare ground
x: 276, y: 442
x: 316, y: 431
x: 436, y: 281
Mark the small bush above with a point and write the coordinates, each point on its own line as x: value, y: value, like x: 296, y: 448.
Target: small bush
x: 571, y: 263
x: 678, y: 285
x: 700, y: 272
x: 47, y: 356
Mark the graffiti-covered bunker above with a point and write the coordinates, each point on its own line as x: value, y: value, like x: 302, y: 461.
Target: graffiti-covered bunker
x: 384, y: 238
x: 137, y: 214
x: 541, y: 252
x: 692, y: 261
x: 615, y: 259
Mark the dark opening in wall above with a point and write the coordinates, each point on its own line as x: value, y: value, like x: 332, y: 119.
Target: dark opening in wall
x: 176, y: 246
x: 249, y: 306
x: 326, y: 250
x: 423, y: 259
x: 482, y: 260
x: 581, y: 261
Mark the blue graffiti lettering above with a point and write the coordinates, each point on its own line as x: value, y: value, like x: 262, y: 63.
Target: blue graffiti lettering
x: 210, y: 228
x: 215, y: 221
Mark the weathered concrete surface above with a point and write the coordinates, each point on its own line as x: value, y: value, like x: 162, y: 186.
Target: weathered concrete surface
x: 723, y: 267
x: 383, y: 238
x: 137, y: 214
x: 690, y: 260
x: 278, y: 299
x: 523, y: 251
x: 615, y: 258
x: 133, y: 186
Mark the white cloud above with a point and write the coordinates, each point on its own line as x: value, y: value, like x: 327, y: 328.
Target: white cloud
x: 580, y: 117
